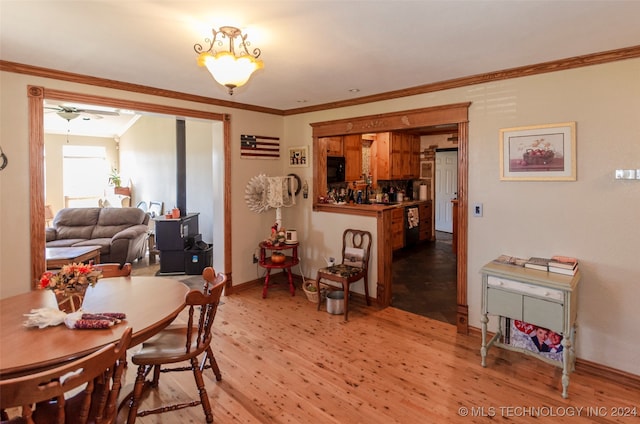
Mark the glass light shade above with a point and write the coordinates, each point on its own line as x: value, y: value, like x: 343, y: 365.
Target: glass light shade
x: 230, y: 70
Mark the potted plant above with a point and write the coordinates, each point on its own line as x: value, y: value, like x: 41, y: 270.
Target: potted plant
x: 115, y: 180
x: 114, y: 177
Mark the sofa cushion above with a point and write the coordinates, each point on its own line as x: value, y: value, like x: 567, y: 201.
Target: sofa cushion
x: 113, y: 220
x: 64, y: 242
x: 104, y: 243
x: 76, y: 223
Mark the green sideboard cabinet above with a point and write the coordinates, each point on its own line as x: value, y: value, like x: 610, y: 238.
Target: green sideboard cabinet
x: 540, y: 298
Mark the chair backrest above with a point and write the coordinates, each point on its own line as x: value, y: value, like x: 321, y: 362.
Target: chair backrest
x: 107, y: 362
x: 356, y: 248
x: 201, y: 318
x: 109, y: 270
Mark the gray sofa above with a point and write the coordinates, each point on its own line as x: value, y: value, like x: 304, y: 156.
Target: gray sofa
x: 121, y: 233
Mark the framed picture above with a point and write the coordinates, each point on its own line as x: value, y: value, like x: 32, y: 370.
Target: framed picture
x: 538, y: 153
x: 299, y: 156
x: 426, y: 169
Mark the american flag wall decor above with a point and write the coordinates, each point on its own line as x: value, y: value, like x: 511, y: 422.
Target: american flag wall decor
x: 259, y: 147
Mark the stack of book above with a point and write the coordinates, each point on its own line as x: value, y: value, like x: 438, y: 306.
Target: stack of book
x: 563, y: 265
x: 558, y: 264
x: 510, y: 260
x: 541, y: 264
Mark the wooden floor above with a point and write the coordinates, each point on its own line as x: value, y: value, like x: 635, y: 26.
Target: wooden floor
x: 284, y: 362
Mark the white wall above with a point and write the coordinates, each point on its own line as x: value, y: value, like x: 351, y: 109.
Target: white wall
x: 594, y: 218
x: 148, y: 158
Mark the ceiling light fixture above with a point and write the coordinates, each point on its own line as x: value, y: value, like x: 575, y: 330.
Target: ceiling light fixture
x: 228, y: 68
x: 68, y: 115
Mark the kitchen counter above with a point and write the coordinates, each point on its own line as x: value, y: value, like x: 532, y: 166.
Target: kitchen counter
x: 365, y: 209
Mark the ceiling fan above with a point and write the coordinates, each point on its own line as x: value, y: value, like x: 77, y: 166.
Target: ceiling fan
x: 71, y: 112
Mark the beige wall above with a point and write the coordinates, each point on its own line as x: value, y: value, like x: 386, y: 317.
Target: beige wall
x: 594, y: 218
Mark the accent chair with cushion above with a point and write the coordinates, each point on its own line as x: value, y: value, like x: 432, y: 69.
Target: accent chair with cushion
x: 356, y: 248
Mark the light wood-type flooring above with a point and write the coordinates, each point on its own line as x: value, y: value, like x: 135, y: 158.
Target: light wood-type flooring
x: 282, y: 361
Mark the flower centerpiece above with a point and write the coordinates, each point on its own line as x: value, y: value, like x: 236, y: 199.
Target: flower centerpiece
x: 70, y: 284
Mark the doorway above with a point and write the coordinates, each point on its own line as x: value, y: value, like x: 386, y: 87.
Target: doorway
x: 36, y: 96
x: 424, y: 276
x: 424, y: 279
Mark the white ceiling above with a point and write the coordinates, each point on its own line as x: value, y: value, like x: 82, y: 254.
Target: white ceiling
x: 314, y: 51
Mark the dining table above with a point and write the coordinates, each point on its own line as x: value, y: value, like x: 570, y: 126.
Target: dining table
x: 150, y: 304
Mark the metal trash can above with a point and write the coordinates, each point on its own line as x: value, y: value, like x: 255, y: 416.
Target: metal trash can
x: 335, y: 302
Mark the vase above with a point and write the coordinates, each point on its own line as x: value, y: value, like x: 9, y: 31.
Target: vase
x: 70, y: 300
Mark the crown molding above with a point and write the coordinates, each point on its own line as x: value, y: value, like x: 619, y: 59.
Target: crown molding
x: 521, y: 71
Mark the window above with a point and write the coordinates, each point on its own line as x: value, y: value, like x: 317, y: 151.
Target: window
x: 84, y: 174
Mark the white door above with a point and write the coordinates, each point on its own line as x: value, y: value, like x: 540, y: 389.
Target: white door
x: 446, y: 182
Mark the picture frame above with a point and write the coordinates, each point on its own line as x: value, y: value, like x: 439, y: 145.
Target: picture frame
x: 299, y: 156
x: 538, y: 153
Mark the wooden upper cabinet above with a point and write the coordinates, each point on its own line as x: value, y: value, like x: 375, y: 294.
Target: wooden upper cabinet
x: 381, y: 153
x: 352, y: 145
x: 397, y: 156
x: 334, y: 145
x: 415, y: 157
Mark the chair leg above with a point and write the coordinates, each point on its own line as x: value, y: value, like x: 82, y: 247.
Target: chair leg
x: 366, y: 289
x: 345, y: 289
x: 156, y: 376
x: 134, y: 403
x: 204, y: 398
x: 212, y: 363
x: 318, y: 290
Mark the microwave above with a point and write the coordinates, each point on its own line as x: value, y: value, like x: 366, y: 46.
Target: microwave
x: 335, y: 169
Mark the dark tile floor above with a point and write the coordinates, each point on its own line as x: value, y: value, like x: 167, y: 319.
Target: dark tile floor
x: 424, y: 279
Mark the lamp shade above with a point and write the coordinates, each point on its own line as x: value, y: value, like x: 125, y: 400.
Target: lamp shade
x: 230, y: 70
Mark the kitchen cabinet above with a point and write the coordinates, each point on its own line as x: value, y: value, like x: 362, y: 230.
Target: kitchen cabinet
x: 352, y: 146
x: 333, y: 145
x: 397, y: 156
x: 424, y: 211
x: 397, y: 228
x: 414, y: 159
x: 539, y: 298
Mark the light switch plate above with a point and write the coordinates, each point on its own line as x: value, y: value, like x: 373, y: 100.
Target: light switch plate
x: 626, y: 174
x: 477, y: 209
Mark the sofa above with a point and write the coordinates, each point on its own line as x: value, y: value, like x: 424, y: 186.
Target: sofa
x: 121, y: 233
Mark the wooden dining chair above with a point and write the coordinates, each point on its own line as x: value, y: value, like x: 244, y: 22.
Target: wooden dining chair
x: 208, y: 361
x: 179, y: 344
x: 114, y: 269
x: 100, y: 371
x: 356, y: 247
